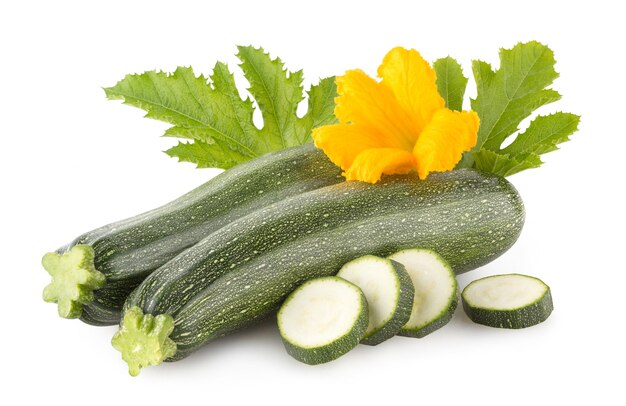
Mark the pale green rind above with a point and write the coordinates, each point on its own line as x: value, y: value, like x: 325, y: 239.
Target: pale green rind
x: 446, y: 313
x: 532, y: 314
x: 451, y: 82
x: 403, y: 303
x: 339, y: 346
x: 74, y: 278
x: 143, y: 339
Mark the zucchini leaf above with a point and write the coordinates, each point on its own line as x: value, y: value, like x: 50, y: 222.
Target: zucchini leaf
x: 544, y: 133
x: 504, y: 164
x: 213, y: 119
x: 451, y: 82
x: 507, y: 96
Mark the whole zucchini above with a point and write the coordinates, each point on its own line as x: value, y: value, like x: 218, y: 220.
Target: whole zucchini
x: 101, y: 267
x: 243, y: 271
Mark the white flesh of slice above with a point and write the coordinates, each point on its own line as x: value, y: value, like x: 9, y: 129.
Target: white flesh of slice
x: 320, y: 312
x: 504, y: 292
x: 379, y: 283
x: 434, y: 285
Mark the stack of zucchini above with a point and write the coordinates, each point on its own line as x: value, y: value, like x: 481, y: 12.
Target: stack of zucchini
x: 231, y: 251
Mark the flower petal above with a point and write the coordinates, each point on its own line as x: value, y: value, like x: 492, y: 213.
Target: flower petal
x: 342, y: 143
x: 370, y: 164
x: 413, y: 83
x: 443, y: 141
x: 362, y: 100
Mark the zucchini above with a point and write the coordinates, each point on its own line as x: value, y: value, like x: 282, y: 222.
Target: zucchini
x: 389, y: 292
x: 435, y: 291
x: 507, y: 301
x: 323, y: 319
x: 124, y: 253
x: 243, y: 271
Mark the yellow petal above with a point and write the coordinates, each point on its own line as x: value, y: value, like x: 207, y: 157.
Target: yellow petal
x: 413, y: 83
x: 370, y: 164
x: 443, y: 141
x: 343, y: 142
x: 364, y: 101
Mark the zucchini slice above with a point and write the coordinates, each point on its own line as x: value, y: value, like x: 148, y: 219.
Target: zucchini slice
x: 435, y: 291
x: 323, y: 319
x: 507, y: 301
x: 389, y: 293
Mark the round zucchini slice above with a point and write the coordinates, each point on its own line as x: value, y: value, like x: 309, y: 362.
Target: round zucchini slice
x: 435, y: 286
x: 323, y: 319
x: 389, y: 293
x: 507, y: 301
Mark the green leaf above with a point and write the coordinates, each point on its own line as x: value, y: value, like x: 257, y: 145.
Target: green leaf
x: 277, y: 93
x: 544, y: 133
x: 206, y: 155
x: 321, y: 107
x: 503, y: 164
x: 217, y: 121
x: 507, y: 96
x: 451, y: 82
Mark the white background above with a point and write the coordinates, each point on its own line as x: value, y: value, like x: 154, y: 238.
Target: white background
x: 72, y: 161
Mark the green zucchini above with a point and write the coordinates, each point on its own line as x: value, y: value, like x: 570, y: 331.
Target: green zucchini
x: 323, y: 319
x: 389, y: 292
x: 507, y: 301
x: 435, y: 291
x: 122, y: 254
x: 243, y: 271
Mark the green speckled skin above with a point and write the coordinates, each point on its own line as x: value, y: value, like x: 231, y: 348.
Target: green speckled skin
x: 128, y: 251
x: 242, y: 272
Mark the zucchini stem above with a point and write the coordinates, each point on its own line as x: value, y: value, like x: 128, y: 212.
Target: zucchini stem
x: 143, y: 339
x: 74, y: 278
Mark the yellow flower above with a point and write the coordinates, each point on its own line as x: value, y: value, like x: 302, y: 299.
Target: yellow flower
x: 396, y: 125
